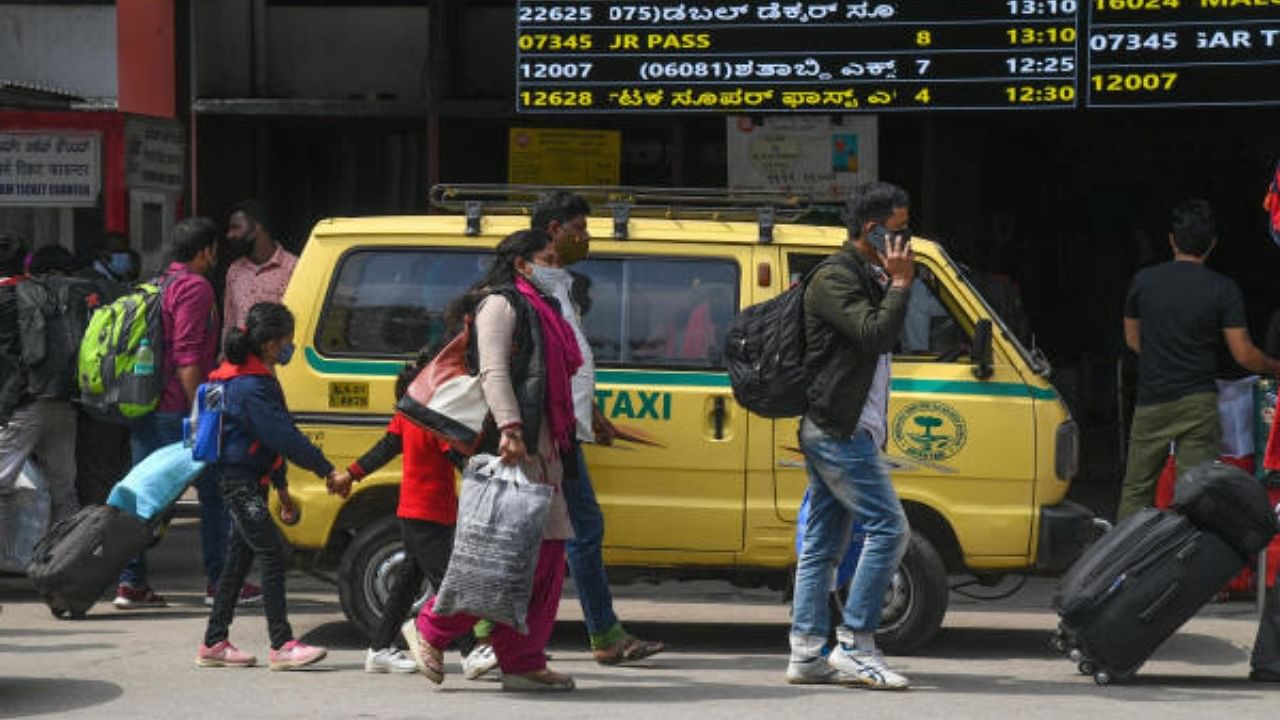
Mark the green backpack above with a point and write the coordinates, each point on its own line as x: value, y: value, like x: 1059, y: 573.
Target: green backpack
x: 117, y: 379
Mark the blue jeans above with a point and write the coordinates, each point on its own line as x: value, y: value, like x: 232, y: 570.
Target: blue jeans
x: 148, y: 435
x: 586, y: 561
x: 848, y: 481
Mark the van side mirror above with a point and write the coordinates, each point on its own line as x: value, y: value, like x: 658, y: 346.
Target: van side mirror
x: 981, y: 352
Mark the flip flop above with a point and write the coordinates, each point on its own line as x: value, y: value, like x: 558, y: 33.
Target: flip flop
x: 628, y: 649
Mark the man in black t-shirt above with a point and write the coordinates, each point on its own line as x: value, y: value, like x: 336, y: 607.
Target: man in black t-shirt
x: 1177, y: 317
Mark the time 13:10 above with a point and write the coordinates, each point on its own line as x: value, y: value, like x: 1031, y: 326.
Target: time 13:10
x: 1042, y: 7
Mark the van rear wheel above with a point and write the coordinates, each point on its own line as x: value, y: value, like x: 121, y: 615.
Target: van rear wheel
x: 367, y: 571
x: 916, y: 600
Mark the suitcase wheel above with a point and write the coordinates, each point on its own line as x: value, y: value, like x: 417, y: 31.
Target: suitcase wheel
x: 1086, y: 668
x: 1058, y: 643
x: 65, y: 614
x: 1075, y: 655
x: 1102, y: 678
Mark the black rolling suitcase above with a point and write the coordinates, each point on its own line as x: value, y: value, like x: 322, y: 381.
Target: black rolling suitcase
x: 82, y: 555
x: 1135, y: 588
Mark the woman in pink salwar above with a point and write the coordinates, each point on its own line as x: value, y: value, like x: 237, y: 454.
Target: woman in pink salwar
x: 527, y: 355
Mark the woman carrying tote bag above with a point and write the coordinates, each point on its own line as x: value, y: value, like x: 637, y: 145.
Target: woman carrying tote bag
x: 526, y: 354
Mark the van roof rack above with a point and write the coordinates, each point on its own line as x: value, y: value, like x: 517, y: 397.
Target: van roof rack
x: 765, y: 207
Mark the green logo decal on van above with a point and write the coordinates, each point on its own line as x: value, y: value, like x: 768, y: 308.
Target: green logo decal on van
x: 930, y: 431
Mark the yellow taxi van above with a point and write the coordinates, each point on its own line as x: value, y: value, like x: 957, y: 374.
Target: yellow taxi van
x: 982, y: 447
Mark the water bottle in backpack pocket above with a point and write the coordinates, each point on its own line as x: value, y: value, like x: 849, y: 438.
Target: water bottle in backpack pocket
x: 117, y: 371
x: 202, y: 431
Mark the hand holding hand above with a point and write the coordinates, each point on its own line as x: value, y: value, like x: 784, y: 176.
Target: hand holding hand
x: 339, y: 483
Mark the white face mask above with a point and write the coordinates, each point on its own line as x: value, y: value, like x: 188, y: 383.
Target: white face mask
x: 549, y: 279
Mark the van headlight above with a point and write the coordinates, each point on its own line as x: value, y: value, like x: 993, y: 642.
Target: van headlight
x: 1066, y: 450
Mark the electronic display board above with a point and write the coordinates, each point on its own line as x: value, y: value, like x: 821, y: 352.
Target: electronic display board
x: 1183, y: 52
x: 761, y: 56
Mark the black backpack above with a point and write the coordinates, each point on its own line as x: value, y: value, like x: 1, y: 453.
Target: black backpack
x: 764, y: 351
x: 53, y: 312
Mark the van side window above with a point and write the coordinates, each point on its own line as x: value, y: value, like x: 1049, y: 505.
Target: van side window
x: 930, y: 333
x: 652, y: 312
x: 390, y: 303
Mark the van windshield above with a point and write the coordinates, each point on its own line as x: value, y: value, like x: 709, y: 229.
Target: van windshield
x: 993, y: 292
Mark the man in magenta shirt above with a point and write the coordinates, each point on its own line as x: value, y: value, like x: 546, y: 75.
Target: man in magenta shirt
x: 190, y: 316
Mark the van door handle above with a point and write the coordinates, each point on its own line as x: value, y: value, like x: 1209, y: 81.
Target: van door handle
x: 717, y: 416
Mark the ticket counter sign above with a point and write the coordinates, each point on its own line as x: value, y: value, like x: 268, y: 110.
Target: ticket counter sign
x: 549, y: 156
x: 50, y: 169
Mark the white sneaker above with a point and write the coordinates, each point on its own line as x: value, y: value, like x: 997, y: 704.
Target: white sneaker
x: 813, y: 670
x: 480, y: 662
x: 388, y: 660
x: 865, y: 669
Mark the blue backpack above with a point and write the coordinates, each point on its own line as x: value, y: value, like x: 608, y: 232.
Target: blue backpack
x: 202, y: 431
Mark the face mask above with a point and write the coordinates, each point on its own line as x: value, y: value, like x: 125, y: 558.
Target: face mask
x: 285, y: 354
x: 120, y: 264
x: 571, y: 248
x: 549, y: 279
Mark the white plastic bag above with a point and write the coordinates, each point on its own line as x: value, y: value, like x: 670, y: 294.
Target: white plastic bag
x: 496, y: 544
x: 24, y: 518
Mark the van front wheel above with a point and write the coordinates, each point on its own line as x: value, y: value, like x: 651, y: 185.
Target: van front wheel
x: 367, y: 571
x: 916, y: 600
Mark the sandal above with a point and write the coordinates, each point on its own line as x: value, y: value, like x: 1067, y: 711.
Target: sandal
x: 628, y: 649
x: 544, y: 680
x: 428, y: 658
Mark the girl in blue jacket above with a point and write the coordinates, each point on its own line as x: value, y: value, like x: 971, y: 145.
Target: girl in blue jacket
x: 258, y: 436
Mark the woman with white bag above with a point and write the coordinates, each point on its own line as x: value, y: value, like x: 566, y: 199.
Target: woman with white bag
x: 526, y: 356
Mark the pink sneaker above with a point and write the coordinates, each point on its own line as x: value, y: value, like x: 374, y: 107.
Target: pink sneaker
x: 294, y: 654
x: 223, y: 654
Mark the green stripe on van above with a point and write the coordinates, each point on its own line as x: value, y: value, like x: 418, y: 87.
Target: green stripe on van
x: 652, y: 378
x: 972, y: 387
x: 379, y: 368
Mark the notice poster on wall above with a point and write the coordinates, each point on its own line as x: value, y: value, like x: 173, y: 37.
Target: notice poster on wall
x: 822, y: 158
x: 550, y: 156
x: 50, y: 169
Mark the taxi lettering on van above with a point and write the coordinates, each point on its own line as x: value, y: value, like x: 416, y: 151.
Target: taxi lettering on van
x: 637, y: 405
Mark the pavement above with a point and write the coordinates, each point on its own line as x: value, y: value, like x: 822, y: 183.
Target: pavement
x: 726, y: 659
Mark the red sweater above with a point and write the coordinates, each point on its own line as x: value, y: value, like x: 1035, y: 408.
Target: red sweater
x: 427, y: 485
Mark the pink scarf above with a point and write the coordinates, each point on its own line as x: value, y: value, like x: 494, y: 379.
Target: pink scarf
x: 563, y: 358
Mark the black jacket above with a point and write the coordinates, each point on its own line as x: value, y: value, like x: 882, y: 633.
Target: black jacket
x: 528, y: 370
x: 13, y: 377
x: 849, y: 322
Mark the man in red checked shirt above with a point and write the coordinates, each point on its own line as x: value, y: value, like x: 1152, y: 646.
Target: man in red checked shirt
x: 264, y: 267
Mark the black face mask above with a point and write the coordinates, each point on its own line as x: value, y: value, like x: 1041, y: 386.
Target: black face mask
x: 244, y: 244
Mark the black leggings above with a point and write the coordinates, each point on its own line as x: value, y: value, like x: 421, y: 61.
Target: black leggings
x: 427, y: 547
x: 253, y: 533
